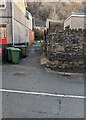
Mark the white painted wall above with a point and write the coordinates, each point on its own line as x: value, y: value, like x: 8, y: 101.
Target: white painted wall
x: 17, y: 25
x: 75, y: 22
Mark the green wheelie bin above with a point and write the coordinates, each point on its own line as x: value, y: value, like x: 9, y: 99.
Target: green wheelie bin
x: 15, y: 55
x: 22, y: 48
x: 18, y: 46
x: 9, y: 54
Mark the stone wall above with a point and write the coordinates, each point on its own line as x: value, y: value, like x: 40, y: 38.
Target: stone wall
x: 65, y: 49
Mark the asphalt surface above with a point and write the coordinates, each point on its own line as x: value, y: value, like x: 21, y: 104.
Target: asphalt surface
x: 30, y: 76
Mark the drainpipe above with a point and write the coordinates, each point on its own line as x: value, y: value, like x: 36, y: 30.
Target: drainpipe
x: 13, y: 21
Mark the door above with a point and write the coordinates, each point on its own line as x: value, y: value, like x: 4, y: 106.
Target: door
x: 3, y: 35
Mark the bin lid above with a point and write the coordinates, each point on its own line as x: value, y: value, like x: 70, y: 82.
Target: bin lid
x: 17, y: 46
x: 23, y: 45
x: 16, y: 49
x: 9, y: 48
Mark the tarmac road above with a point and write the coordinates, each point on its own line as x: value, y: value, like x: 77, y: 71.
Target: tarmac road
x: 31, y: 91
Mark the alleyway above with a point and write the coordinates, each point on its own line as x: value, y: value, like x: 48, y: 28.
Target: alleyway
x: 29, y: 76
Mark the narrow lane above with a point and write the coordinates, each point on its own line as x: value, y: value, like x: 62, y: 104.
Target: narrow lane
x: 30, y: 77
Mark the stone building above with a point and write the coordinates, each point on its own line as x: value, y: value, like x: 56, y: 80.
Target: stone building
x: 75, y: 21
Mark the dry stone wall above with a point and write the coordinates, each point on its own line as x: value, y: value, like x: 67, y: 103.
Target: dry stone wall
x: 65, y: 49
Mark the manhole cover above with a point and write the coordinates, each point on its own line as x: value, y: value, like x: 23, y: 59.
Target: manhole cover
x: 19, y: 74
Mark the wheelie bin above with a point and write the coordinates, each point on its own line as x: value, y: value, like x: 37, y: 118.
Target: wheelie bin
x: 9, y: 54
x: 15, y: 55
x: 22, y: 48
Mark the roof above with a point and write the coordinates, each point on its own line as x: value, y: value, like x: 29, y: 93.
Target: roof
x: 40, y: 24
x: 76, y: 14
x: 51, y: 20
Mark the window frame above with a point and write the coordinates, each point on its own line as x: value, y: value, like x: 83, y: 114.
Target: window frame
x: 3, y: 3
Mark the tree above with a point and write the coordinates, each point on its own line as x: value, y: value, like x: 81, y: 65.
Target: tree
x: 38, y: 34
x: 54, y: 10
x: 44, y: 14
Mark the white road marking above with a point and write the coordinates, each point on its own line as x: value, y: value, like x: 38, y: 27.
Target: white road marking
x: 43, y: 94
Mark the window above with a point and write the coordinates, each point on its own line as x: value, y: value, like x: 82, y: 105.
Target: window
x: 2, y: 33
x: 27, y: 14
x: 3, y: 4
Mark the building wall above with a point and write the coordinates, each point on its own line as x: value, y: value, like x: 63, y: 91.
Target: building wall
x: 14, y: 17
x: 67, y: 23
x: 20, y: 5
x: 9, y: 31
x: 7, y: 11
x: 31, y: 36
x: 30, y: 21
x: 75, y: 22
x: 40, y: 28
x: 19, y: 24
x: 6, y: 19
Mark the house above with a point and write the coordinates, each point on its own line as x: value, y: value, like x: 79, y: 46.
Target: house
x: 40, y: 26
x: 48, y: 21
x: 75, y: 21
x: 29, y: 24
x: 52, y: 25
x: 15, y: 23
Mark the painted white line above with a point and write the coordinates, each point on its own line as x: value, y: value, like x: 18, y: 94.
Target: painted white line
x: 43, y: 94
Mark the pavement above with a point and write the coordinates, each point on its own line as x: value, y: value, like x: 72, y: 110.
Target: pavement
x: 32, y: 91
